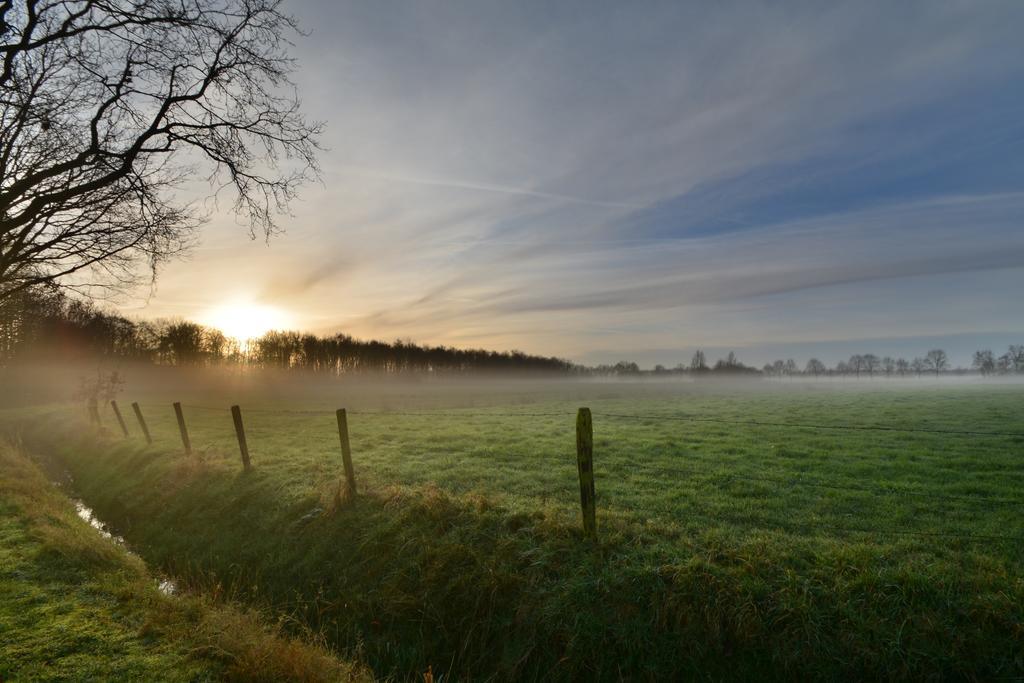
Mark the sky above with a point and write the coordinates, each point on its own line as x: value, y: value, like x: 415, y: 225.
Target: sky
x: 609, y: 181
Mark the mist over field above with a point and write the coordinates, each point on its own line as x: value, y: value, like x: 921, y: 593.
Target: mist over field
x: 43, y: 382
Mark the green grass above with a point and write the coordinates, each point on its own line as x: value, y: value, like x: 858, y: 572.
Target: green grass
x: 76, y: 607
x: 726, y: 550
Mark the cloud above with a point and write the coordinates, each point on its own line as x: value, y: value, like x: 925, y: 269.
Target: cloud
x: 463, y: 185
x: 535, y: 175
x: 918, y: 269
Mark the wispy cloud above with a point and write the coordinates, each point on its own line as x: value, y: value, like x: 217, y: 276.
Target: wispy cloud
x: 927, y: 238
x: 463, y: 185
x: 540, y: 176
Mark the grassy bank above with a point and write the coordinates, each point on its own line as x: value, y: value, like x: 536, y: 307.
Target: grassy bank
x: 727, y: 550
x: 75, y: 606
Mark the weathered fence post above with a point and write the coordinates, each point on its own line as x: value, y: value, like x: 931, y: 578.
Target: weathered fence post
x: 346, y: 451
x: 585, y: 465
x: 236, y: 415
x: 142, y: 422
x: 120, y: 419
x: 182, y: 428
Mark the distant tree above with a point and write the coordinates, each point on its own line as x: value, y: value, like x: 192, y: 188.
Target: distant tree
x: 698, y: 363
x: 815, y: 367
x: 842, y: 368
x: 660, y: 369
x: 731, y: 365
x: 902, y: 366
x: 984, y: 362
x: 768, y: 369
x: 856, y: 364
x: 936, y: 361
x: 918, y: 365
x: 182, y: 343
x: 626, y: 368
x: 1004, y: 364
x: 791, y: 368
x: 871, y: 364
x: 779, y: 368
x: 214, y: 344
x: 1016, y: 356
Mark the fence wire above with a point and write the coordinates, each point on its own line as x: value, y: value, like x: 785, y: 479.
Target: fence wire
x: 327, y: 412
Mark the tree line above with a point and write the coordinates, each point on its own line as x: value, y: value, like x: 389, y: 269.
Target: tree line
x: 730, y: 365
x: 935, y: 362
x: 45, y: 323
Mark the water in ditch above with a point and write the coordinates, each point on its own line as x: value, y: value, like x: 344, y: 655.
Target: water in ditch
x: 165, y: 585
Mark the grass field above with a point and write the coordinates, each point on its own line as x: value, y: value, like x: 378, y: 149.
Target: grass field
x: 76, y: 607
x: 727, y: 548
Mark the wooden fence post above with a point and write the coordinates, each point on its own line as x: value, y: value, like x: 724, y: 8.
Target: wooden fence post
x: 142, y: 422
x: 182, y: 428
x: 585, y: 465
x: 120, y: 419
x: 236, y: 415
x: 346, y: 451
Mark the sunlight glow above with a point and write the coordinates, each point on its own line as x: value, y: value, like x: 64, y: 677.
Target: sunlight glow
x: 246, y: 320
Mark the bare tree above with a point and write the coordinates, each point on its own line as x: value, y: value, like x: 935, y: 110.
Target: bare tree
x: 1015, y: 354
x: 871, y: 364
x: 215, y: 344
x: 984, y: 362
x: 181, y: 343
x: 918, y: 365
x: 1004, y: 364
x: 815, y: 367
x: 698, y: 363
x: 936, y: 361
x: 108, y: 107
x: 902, y: 366
x: 888, y: 366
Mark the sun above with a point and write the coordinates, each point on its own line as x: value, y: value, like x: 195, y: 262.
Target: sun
x: 244, y: 320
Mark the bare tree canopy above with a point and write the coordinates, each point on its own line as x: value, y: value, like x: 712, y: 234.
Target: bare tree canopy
x: 109, y: 107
